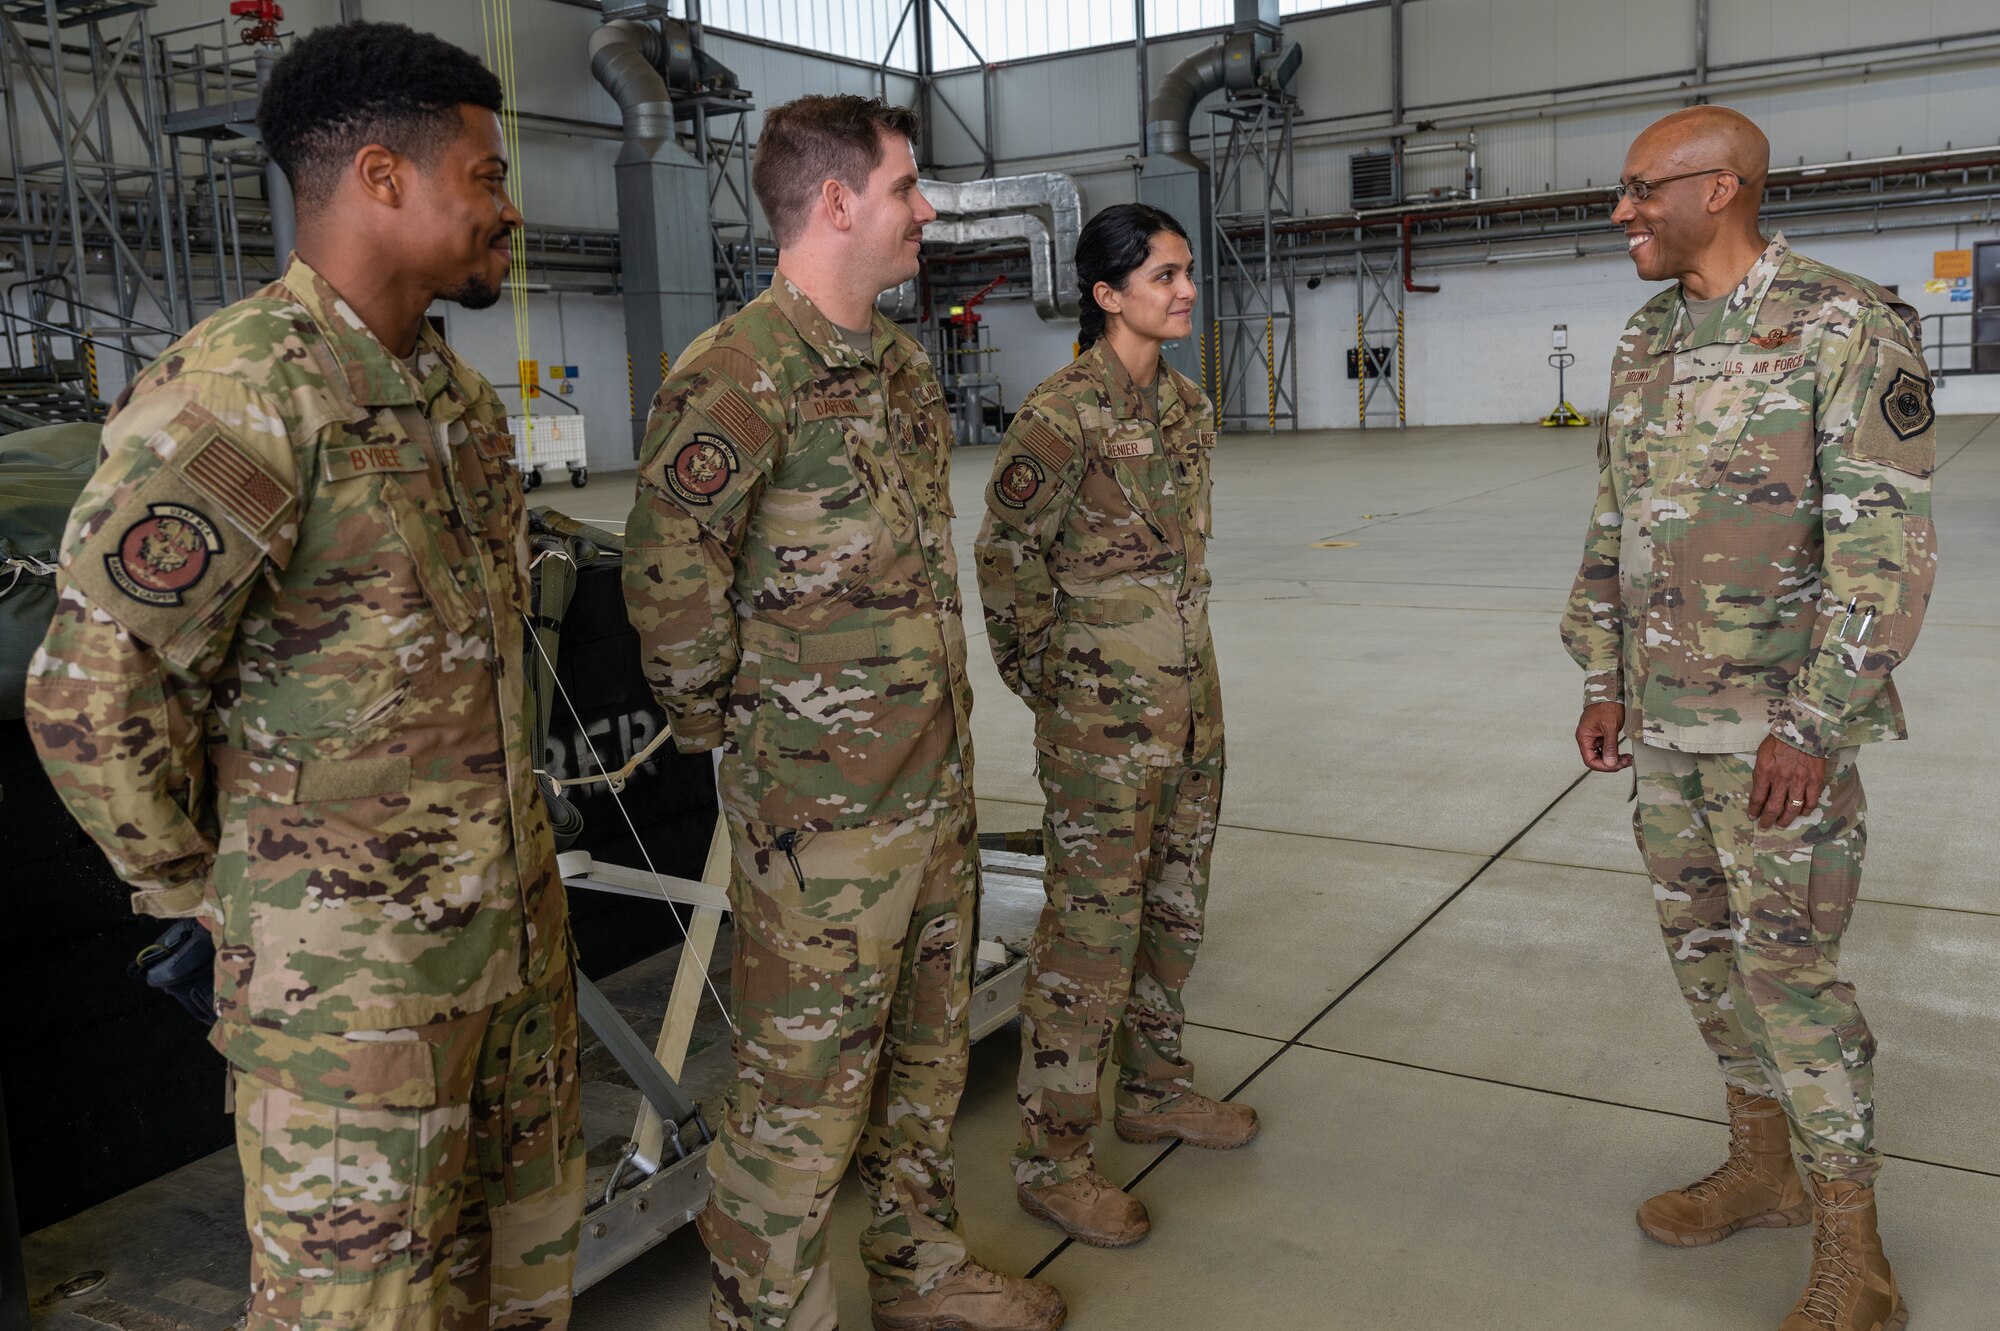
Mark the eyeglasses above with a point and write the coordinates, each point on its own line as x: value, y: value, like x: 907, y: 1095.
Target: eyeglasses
x: 1641, y: 190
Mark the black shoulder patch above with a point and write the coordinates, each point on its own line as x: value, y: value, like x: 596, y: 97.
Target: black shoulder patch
x: 1906, y: 405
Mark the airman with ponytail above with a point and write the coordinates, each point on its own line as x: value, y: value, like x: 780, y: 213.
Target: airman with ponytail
x: 1093, y: 569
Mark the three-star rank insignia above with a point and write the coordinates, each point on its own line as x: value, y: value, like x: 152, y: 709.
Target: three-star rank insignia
x: 702, y: 467
x: 1906, y: 405
x: 1019, y: 482
x: 163, y: 554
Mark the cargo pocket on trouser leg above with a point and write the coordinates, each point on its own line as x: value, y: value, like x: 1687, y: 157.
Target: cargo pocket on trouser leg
x: 906, y: 1154
x: 538, y: 1189
x: 1152, y: 1068
x: 1098, y: 835
x: 533, y: 1134
x: 809, y: 1006
x: 764, y: 1227
x: 349, y: 1207
x: 1691, y: 901
x: 1811, y: 1030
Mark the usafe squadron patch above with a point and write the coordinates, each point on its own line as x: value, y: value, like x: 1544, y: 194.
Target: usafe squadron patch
x: 164, y: 554
x: 1906, y: 405
x: 701, y: 468
x: 1019, y: 482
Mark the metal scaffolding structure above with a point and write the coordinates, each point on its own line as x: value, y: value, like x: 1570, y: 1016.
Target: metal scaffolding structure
x: 1249, y: 362
x: 90, y: 210
x: 1377, y: 359
x: 208, y: 97
x: 717, y: 135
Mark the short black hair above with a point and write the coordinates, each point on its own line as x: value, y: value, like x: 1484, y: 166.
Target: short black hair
x: 343, y: 87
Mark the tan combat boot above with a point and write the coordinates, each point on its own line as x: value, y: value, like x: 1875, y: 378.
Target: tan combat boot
x: 1218, y: 1125
x: 971, y: 1298
x: 1090, y: 1209
x: 1852, y: 1288
x: 1757, y: 1186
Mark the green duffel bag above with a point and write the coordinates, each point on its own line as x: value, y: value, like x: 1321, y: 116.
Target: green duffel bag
x: 41, y: 474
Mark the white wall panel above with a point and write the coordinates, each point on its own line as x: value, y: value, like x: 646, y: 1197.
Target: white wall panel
x: 1590, y: 150
x: 1346, y: 71
x: 951, y: 141
x: 1597, y: 42
x: 1464, y: 50
x: 1518, y: 158
x: 1775, y: 29
x: 1320, y: 178
x: 1445, y: 44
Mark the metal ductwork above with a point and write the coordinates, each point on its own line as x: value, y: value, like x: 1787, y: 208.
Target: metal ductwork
x: 979, y: 211
x: 1016, y: 227
x: 665, y: 247
x: 1013, y: 204
x: 1252, y: 56
x: 1175, y: 97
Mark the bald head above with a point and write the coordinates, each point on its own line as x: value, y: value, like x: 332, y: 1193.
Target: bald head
x: 1698, y: 138
x: 1700, y: 185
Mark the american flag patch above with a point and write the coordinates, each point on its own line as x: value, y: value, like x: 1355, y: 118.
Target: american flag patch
x: 740, y: 421
x: 238, y: 482
x: 1047, y: 445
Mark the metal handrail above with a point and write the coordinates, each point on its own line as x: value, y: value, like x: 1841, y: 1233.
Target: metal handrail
x: 1937, y: 345
x: 59, y: 330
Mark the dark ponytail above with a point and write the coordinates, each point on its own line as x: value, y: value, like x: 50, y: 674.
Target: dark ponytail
x: 1113, y: 243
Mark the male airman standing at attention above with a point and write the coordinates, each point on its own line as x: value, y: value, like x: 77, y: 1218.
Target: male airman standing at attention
x: 283, y: 689
x: 1093, y: 569
x: 1757, y: 566
x: 790, y: 572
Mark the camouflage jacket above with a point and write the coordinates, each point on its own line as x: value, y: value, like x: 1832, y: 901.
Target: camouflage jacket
x: 283, y: 687
x: 1093, y: 567
x: 790, y: 572
x: 1761, y: 551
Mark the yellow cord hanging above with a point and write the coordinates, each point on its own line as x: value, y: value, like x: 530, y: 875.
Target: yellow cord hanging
x: 496, y: 21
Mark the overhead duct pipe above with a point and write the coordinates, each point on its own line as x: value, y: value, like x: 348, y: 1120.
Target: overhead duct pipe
x: 1013, y: 226
x: 973, y: 211
x: 665, y: 250
x: 1011, y: 198
x: 1171, y: 111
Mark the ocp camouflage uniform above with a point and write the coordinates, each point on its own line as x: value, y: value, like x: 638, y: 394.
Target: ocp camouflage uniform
x: 283, y: 691
x: 1093, y: 571
x: 1758, y: 563
x: 791, y: 575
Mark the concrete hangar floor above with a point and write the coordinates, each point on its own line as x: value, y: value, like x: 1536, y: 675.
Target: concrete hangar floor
x: 1431, y: 960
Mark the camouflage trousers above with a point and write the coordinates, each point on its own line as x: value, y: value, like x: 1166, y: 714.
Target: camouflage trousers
x: 1752, y: 920
x: 851, y: 992
x: 410, y: 1179
x: 1128, y: 886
